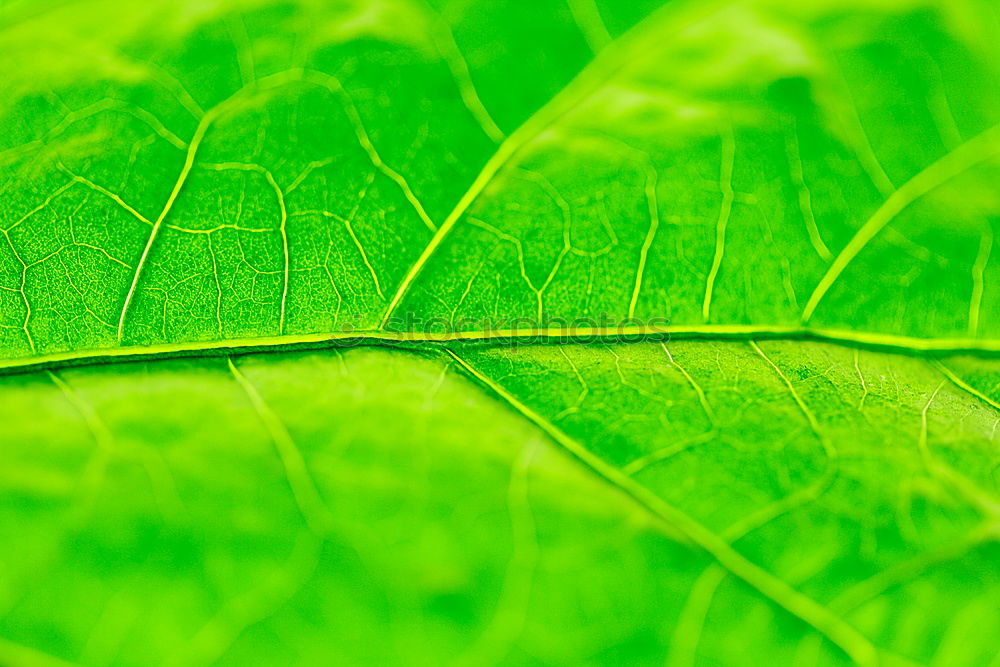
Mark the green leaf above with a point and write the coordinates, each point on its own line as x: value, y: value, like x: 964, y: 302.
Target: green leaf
x: 490, y: 332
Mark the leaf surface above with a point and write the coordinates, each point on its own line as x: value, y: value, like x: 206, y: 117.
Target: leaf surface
x: 311, y: 324
x: 556, y: 504
x: 214, y: 178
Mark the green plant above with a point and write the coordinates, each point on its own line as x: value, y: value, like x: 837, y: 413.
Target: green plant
x: 493, y: 332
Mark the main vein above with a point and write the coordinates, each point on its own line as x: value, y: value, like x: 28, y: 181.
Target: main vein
x: 570, y: 335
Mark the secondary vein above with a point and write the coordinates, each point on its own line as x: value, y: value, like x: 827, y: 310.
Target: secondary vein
x: 853, y: 643
x: 605, y: 64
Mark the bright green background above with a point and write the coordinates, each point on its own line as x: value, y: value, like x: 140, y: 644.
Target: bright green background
x: 229, y: 181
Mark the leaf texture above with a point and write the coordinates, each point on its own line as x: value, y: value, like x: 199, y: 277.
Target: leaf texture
x: 312, y: 316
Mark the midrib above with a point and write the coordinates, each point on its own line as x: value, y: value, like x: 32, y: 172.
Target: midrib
x: 568, y: 336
